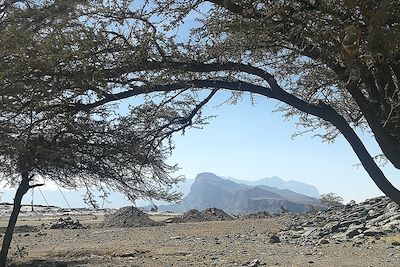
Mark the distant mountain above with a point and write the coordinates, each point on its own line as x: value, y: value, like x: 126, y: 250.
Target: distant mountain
x: 295, y: 186
x: 209, y: 190
x: 206, y: 185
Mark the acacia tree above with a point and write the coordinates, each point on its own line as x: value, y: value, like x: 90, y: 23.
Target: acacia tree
x: 331, y: 200
x: 334, y: 65
x: 55, y: 61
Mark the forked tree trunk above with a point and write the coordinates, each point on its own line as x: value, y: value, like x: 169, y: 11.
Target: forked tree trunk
x: 21, y: 191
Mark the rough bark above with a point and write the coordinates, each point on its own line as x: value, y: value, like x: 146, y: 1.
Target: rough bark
x: 390, y: 147
x: 21, y: 191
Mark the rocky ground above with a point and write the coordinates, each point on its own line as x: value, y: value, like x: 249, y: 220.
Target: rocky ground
x: 365, y: 234
x: 358, y: 223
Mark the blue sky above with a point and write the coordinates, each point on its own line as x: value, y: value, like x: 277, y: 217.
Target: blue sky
x: 250, y: 142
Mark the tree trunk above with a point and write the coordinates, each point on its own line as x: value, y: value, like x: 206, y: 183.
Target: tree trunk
x: 21, y: 191
x: 365, y: 158
x: 388, y: 143
x: 327, y: 113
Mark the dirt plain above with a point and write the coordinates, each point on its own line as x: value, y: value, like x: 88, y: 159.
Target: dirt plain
x: 240, y: 242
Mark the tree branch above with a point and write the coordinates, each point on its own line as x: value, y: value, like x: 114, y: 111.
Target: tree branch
x: 184, y: 121
x: 35, y: 185
x: 321, y: 110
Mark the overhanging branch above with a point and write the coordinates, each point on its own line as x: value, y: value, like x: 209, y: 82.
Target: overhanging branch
x: 322, y: 111
x: 274, y: 91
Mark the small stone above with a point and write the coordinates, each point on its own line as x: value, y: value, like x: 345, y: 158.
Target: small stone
x: 372, y: 214
x: 176, y: 237
x: 274, y: 239
x: 392, y: 206
x: 254, y: 263
x: 373, y: 232
x: 323, y: 242
x: 396, y: 243
x: 354, y: 231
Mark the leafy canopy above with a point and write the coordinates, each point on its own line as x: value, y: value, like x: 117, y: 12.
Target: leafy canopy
x: 334, y: 65
x: 57, y: 58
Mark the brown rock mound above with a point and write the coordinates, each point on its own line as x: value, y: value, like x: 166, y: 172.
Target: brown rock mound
x: 214, y: 214
x: 211, y: 214
x: 189, y: 216
x: 129, y: 217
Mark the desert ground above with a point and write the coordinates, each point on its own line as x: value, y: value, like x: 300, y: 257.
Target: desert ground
x: 238, y: 242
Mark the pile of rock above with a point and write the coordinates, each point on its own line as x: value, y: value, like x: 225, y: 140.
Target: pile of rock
x: 64, y: 223
x: 214, y: 214
x: 193, y: 215
x: 258, y: 215
x: 129, y: 217
x: 353, y: 222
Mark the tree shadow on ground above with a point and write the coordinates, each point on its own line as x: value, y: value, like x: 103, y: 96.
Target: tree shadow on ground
x: 48, y: 263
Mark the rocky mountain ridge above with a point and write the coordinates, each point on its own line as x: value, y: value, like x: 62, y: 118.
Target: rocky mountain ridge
x: 210, y: 190
x: 117, y: 200
x: 277, y: 182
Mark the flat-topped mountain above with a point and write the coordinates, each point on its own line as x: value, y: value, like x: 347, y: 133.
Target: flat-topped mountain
x: 295, y: 186
x: 209, y: 190
x: 204, y: 185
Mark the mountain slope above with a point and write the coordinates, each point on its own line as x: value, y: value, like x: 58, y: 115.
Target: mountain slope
x: 210, y: 190
x: 295, y: 186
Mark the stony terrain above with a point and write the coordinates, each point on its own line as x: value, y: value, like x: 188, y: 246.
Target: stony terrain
x: 373, y: 218
x: 365, y: 234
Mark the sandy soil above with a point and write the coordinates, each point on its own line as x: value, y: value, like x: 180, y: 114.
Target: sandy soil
x: 226, y: 243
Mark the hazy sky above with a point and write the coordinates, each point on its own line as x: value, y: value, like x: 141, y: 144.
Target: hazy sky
x: 250, y: 142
